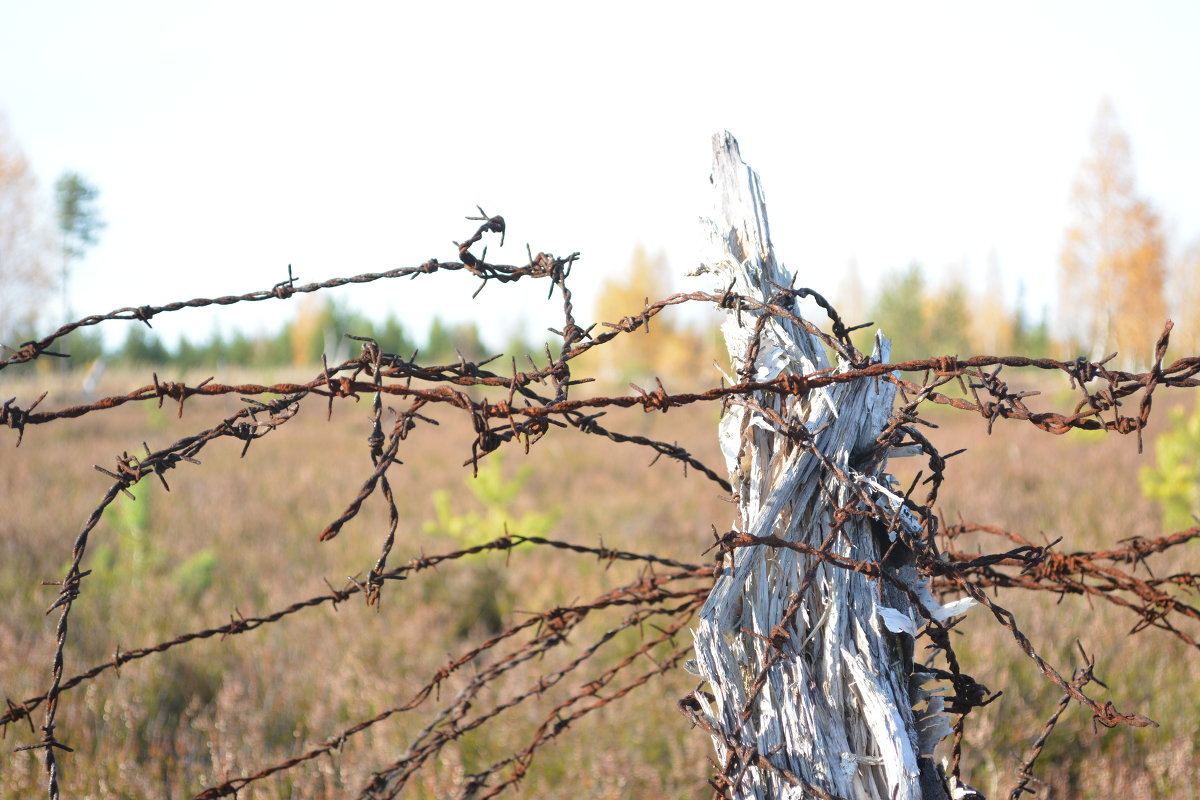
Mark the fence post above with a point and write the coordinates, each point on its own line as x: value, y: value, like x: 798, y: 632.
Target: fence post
x: 810, y: 688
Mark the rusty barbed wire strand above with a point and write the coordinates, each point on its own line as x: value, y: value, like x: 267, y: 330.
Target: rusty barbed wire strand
x: 374, y: 582
x: 452, y: 722
x: 549, y: 629
x: 383, y: 459
x: 1081, y: 677
x: 1053, y: 571
x: 660, y: 400
x: 547, y: 732
x: 1106, y: 714
x: 542, y: 266
x: 239, y: 623
x: 326, y: 385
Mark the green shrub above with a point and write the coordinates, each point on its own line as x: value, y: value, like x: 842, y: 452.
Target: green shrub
x: 495, y: 494
x: 138, y: 556
x: 194, y: 576
x: 486, y: 600
x: 1175, y: 480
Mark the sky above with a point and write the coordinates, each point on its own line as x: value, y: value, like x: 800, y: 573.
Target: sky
x: 229, y: 140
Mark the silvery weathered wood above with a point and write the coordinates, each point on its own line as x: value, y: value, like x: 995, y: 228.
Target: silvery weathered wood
x: 841, y: 710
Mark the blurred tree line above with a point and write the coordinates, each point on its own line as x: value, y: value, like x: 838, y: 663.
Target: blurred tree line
x: 924, y: 319
x: 317, y: 329
x: 921, y: 317
x: 1117, y: 284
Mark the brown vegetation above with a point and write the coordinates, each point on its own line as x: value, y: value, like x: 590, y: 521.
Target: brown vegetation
x: 223, y: 707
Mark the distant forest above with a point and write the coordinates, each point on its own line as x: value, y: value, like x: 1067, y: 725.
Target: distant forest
x: 920, y: 317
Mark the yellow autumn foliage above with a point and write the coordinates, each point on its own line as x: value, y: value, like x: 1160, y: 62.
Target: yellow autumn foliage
x: 668, y: 350
x: 1114, y: 256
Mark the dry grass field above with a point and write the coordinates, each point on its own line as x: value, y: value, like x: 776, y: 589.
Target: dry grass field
x: 239, y: 536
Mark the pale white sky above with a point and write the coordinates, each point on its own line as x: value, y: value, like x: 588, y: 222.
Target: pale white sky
x: 230, y: 139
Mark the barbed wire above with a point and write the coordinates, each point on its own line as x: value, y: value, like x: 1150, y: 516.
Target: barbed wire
x: 521, y: 407
x: 1081, y: 573
x: 1082, y: 677
x: 543, y: 265
x: 548, y: 630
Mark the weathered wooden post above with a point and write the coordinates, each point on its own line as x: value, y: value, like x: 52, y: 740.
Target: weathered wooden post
x: 810, y: 689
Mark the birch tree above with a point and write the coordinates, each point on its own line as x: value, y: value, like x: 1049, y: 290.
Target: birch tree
x: 24, y: 240
x: 1113, y: 258
x: 1185, y: 299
